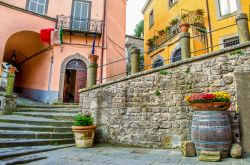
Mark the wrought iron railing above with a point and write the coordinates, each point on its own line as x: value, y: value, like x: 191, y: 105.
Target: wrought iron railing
x: 70, y: 23
x: 192, y: 18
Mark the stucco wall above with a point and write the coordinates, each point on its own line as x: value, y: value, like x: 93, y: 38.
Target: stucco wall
x: 163, y: 15
x: 129, y: 112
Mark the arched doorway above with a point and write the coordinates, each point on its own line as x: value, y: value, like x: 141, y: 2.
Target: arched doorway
x: 75, y: 79
x: 32, y: 58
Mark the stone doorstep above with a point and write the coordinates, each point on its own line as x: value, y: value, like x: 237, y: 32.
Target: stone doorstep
x: 15, y: 151
x: 48, y: 106
x: 29, y: 142
x: 22, y: 160
x: 34, y: 135
x: 36, y: 121
x: 61, y: 110
x: 23, y: 127
x: 56, y: 116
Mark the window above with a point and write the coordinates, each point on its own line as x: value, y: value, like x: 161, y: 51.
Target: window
x: 172, y: 3
x: 231, y: 41
x: 176, y: 56
x: 37, y: 6
x: 158, y: 63
x: 81, y: 15
x: 151, y: 18
x: 228, y: 7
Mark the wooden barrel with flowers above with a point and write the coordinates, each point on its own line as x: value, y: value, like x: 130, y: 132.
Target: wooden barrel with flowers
x: 211, y: 128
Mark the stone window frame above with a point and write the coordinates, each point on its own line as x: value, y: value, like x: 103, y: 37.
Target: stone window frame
x: 45, y: 10
x: 218, y: 13
x: 151, y: 19
x: 226, y: 37
x: 172, y: 4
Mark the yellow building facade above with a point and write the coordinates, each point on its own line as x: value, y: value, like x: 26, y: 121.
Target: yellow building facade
x: 162, y: 34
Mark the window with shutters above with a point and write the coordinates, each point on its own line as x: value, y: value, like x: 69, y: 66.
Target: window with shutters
x: 37, y: 6
x: 81, y: 15
x: 227, y: 8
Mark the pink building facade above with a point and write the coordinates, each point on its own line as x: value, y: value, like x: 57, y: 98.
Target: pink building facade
x: 55, y: 73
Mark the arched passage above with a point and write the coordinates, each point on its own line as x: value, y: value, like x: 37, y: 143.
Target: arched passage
x: 32, y: 58
x: 73, y: 77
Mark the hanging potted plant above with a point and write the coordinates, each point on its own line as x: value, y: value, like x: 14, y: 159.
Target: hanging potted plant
x: 216, y: 101
x: 150, y: 42
x: 84, y: 130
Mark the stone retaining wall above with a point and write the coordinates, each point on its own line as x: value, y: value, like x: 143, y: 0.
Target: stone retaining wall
x: 148, y: 109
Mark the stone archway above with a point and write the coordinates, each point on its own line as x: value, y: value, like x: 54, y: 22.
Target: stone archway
x: 63, y: 71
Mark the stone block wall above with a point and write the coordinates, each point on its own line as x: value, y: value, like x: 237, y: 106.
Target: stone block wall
x: 148, y: 109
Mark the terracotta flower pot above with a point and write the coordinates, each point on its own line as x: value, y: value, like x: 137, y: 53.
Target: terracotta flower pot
x: 12, y: 69
x: 84, y: 135
x: 93, y: 58
x: 184, y: 27
x: 213, y: 106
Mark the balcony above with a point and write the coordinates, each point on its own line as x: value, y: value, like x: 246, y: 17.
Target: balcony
x: 71, y: 24
x: 194, y: 18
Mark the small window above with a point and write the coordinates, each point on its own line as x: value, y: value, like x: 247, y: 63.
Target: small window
x: 37, y: 6
x: 151, y: 18
x: 176, y: 56
x: 231, y: 41
x: 172, y: 3
x: 228, y: 7
x: 158, y: 63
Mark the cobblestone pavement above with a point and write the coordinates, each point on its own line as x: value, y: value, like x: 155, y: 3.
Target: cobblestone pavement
x: 113, y: 155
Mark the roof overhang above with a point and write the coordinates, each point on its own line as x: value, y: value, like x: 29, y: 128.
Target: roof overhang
x: 146, y: 6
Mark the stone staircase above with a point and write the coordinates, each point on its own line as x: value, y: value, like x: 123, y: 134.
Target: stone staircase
x: 34, y: 129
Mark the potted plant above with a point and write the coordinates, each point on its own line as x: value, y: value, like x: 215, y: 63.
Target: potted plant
x: 167, y: 29
x: 199, y: 12
x: 150, y: 42
x: 161, y: 32
x: 174, y: 22
x: 84, y: 130
x: 216, y: 101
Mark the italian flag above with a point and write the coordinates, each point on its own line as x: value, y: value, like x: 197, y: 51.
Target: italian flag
x: 52, y: 36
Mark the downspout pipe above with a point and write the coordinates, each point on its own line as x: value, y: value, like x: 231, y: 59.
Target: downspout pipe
x: 103, y: 37
x: 209, y: 25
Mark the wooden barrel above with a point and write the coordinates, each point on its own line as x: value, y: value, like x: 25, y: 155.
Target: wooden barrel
x: 211, y: 131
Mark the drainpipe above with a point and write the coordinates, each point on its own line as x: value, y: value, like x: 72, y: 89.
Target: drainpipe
x: 103, y: 37
x: 209, y: 25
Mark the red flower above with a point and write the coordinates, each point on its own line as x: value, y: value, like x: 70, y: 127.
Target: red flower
x: 202, y: 96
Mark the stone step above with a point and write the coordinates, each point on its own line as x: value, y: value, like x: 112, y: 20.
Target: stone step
x: 59, y: 110
x: 56, y: 116
x: 4, y: 143
x: 34, y: 135
x: 47, y: 106
x: 22, y: 160
x: 6, y: 153
x: 34, y: 121
x: 25, y: 127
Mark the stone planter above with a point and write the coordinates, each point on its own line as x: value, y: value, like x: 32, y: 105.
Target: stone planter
x: 213, y: 106
x: 184, y: 27
x: 84, y: 135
